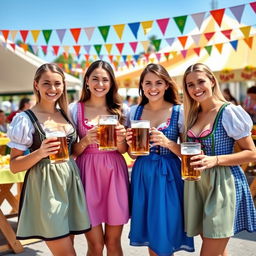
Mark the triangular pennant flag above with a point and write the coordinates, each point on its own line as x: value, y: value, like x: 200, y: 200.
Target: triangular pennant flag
x: 158, y: 56
x: 198, y: 18
x: 66, y: 48
x: 253, y: 5
x: 120, y: 47
x: 87, y: 48
x: 134, y: 28
x: 44, y: 48
x: 95, y: 57
x: 35, y: 49
x: 24, y: 46
x: 110, y: 58
x: 109, y: 48
x: 184, y: 53
x: 101, y: 56
x: 35, y: 34
x: 89, y: 32
x: 87, y: 57
x: 181, y: 22
x: 104, y: 32
x: 77, y: 49
x: 119, y: 28
x: 47, y: 35
x: 13, y: 45
x: 13, y: 34
x: 157, y: 44
x: 97, y: 48
x: 208, y: 48
x: 151, y: 59
x: 24, y: 34
x: 219, y: 47
x: 196, y: 38
x: 227, y: 33
x: 197, y: 50
x: 118, y: 57
x: 234, y: 44
x: 183, y: 40
x: 145, y: 45
x: 75, y: 33
x: 147, y: 26
x: 30, y: 49
x: 133, y: 46
x: 5, y: 34
x: 124, y: 57
x: 65, y: 54
x: 209, y: 35
x: 170, y: 40
x: 237, y: 11
x: 61, y: 33
x: 55, y: 49
x: 246, y: 31
x: 147, y: 56
x: 136, y: 57
x: 162, y: 24
x: 249, y: 41
x: 218, y: 15
x: 167, y: 54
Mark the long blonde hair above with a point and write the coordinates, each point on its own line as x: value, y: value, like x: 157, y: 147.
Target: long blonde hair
x: 54, y: 68
x: 192, y: 107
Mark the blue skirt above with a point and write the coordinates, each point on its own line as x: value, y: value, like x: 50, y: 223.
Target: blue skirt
x: 157, y: 205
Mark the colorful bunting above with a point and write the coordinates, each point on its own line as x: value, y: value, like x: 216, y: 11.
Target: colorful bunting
x: 246, y: 31
x: 167, y: 54
x: 181, y: 22
x: 55, y: 49
x: 219, y: 47
x: 97, y: 48
x: 24, y: 34
x: 208, y: 48
x: 77, y: 49
x: 134, y: 28
x: 5, y: 34
x: 196, y: 38
x: 13, y: 45
x: 47, y: 35
x: 198, y: 19
x: 104, y: 32
x: 218, y: 15
x: 197, y: 50
x: 209, y: 35
x: 147, y: 26
x: 44, y: 48
x: 133, y: 46
x: 183, y: 40
x: 61, y: 34
x: 237, y: 11
x: 163, y: 23
x: 13, y: 34
x: 249, y: 41
x: 145, y: 45
x: 89, y: 32
x: 253, y: 5
x: 75, y: 33
x: 119, y: 30
x: 35, y: 34
x: 157, y: 44
x: 24, y: 47
x: 158, y: 56
x: 109, y: 48
x: 227, y: 33
x: 184, y: 53
x: 120, y: 47
x: 87, y: 48
x: 234, y: 44
x: 170, y: 41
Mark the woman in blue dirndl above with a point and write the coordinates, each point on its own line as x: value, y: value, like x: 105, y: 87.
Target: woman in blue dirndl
x: 156, y: 184
x: 220, y: 204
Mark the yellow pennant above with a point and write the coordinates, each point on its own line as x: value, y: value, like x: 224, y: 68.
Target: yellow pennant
x: 145, y: 45
x: 246, y: 31
x: 147, y: 26
x: 35, y: 34
x: 118, y: 57
x: 151, y: 60
x: 119, y: 30
x: 108, y: 48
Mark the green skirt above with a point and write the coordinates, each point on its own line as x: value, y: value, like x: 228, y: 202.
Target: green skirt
x: 52, y: 202
x: 209, y: 204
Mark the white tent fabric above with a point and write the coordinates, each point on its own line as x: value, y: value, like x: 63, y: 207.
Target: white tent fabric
x: 17, y: 70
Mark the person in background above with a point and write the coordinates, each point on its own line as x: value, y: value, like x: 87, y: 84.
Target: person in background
x: 3, y: 124
x: 52, y: 205
x: 104, y: 173
x: 24, y: 104
x: 229, y: 97
x: 157, y: 219
x: 219, y: 205
x: 250, y: 103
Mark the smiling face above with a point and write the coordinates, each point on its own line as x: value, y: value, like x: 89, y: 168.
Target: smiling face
x: 50, y: 86
x: 154, y: 87
x: 199, y: 86
x: 99, y: 82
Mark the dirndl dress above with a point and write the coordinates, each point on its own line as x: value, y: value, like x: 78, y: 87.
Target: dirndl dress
x: 52, y: 203
x: 157, y: 197
x: 220, y: 204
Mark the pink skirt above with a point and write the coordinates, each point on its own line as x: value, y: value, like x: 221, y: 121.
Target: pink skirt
x: 104, y: 175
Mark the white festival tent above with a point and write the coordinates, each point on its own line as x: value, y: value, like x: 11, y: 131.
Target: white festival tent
x: 17, y: 69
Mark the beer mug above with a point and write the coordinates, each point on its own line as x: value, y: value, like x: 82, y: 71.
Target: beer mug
x: 140, y: 137
x: 107, y: 132
x: 62, y: 155
x: 188, y: 150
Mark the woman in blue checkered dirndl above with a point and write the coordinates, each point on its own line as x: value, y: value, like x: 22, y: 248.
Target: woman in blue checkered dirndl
x: 219, y: 205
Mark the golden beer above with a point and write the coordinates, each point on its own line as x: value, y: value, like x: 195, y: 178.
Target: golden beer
x: 107, y: 132
x: 188, y: 150
x: 140, y: 137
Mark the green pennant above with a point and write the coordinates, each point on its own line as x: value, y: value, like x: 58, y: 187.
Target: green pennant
x: 97, y: 48
x: 47, y: 35
x: 181, y: 22
x: 208, y: 48
x: 104, y: 31
x: 157, y: 43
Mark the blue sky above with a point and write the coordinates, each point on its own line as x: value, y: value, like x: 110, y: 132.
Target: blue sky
x: 58, y: 14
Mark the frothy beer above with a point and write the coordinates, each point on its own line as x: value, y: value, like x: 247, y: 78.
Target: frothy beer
x: 188, y: 150
x: 107, y: 132
x: 140, y: 137
x: 62, y: 155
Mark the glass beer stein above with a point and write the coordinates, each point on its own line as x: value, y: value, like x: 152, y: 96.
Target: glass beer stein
x: 188, y: 150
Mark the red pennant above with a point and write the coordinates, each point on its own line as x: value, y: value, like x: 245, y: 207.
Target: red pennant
x: 120, y: 47
x: 44, y: 48
x: 77, y: 49
x: 110, y: 58
x: 218, y: 15
x: 209, y: 35
x: 147, y: 56
x: 75, y: 33
x: 183, y: 40
x: 24, y: 34
x: 55, y: 49
x: 87, y: 57
x: 167, y: 54
x: 249, y: 41
x: 227, y: 33
x: 13, y: 46
x: 5, y: 34
x: 197, y: 50
x: 253, y: 5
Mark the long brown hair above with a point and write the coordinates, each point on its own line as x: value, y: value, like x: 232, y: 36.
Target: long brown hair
x: 192, y: 107
x: 170, y: 95
x: 112, y: 98
x: 54, y: 68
